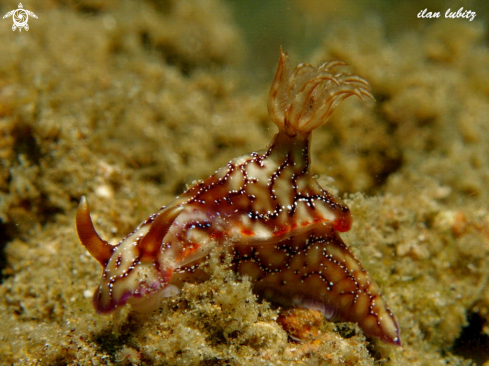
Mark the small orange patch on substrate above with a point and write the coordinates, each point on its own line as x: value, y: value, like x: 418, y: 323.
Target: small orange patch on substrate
x: 301, y: 323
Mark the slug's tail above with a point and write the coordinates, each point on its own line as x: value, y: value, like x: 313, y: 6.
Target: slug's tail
x: 301, y: 100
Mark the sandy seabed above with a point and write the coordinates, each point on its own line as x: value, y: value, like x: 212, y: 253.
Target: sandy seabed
x: 129, y: 102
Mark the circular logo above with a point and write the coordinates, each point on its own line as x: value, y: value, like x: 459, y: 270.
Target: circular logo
x: 20, y: 18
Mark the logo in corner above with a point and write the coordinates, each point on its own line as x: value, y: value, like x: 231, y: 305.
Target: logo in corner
x: 20, y: 17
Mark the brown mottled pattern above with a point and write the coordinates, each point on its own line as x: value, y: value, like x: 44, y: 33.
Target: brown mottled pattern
x: 317, y: 270
x: 269, y: 195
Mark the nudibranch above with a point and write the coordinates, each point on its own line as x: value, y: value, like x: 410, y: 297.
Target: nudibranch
x: 267, y: 210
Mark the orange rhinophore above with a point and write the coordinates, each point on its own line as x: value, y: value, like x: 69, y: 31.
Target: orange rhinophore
x: 267, y: 209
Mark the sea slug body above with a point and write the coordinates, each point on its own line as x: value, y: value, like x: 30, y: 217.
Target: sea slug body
x: 267, y: 209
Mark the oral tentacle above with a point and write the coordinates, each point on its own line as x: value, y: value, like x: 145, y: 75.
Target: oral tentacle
x: 151, y: 243
x: 98, y: 248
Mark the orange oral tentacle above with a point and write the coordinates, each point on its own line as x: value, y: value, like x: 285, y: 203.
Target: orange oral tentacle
x: 150, y: 244
x: 98, y: 248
